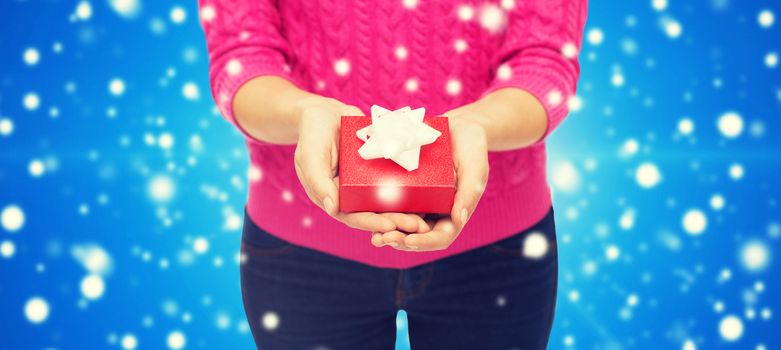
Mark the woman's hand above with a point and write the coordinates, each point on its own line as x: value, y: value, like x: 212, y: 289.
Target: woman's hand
x: 470, y: 160
x: 316, y: 161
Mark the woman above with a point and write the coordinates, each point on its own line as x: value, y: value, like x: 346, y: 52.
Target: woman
x: 313, y: 277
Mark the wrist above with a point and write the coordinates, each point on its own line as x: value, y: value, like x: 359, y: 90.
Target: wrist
x: 469, y: 116
x: 312, y: 106
x: 306, y: 102
x: 474, y: 123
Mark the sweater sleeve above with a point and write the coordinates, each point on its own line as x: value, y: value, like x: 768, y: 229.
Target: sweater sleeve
x: 244, y: 41
x: 539, y: 54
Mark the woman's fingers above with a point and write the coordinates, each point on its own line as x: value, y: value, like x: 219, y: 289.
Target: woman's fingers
x: 404, y: 222
x: 315, y: 177
x: 367, y: 221
x: 394, y: 239
x: 306, y: 183
x: 377, y: 240
x: 314, y: 157
x: 470, y: 159
x: 440, y: 237
x: 423, y: 226
x: 351, y: 111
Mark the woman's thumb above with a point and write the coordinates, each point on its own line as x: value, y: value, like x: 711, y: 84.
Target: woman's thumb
x: 351, y: 110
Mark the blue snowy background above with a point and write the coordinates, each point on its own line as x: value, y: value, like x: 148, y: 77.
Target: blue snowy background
x: 121, y: 188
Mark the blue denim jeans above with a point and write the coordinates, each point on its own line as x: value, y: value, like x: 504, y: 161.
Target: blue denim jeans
x: 499, y: 296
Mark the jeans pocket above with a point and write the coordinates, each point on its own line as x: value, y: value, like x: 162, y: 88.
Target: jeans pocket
x: 257, y: 241
x: 535, y: 242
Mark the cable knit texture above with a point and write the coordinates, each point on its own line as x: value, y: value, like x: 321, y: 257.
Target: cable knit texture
x: 418, y: 53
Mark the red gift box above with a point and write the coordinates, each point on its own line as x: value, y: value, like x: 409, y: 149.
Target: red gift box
x: 381, y: 185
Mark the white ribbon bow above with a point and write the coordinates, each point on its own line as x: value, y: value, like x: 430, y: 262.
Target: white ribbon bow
x: 396, y: 135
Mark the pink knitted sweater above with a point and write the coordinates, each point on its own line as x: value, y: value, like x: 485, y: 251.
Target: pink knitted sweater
x: 395, y: 53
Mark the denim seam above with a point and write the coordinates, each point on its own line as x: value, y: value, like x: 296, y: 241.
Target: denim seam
x: 399, y: 292
x: 424, y: 283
